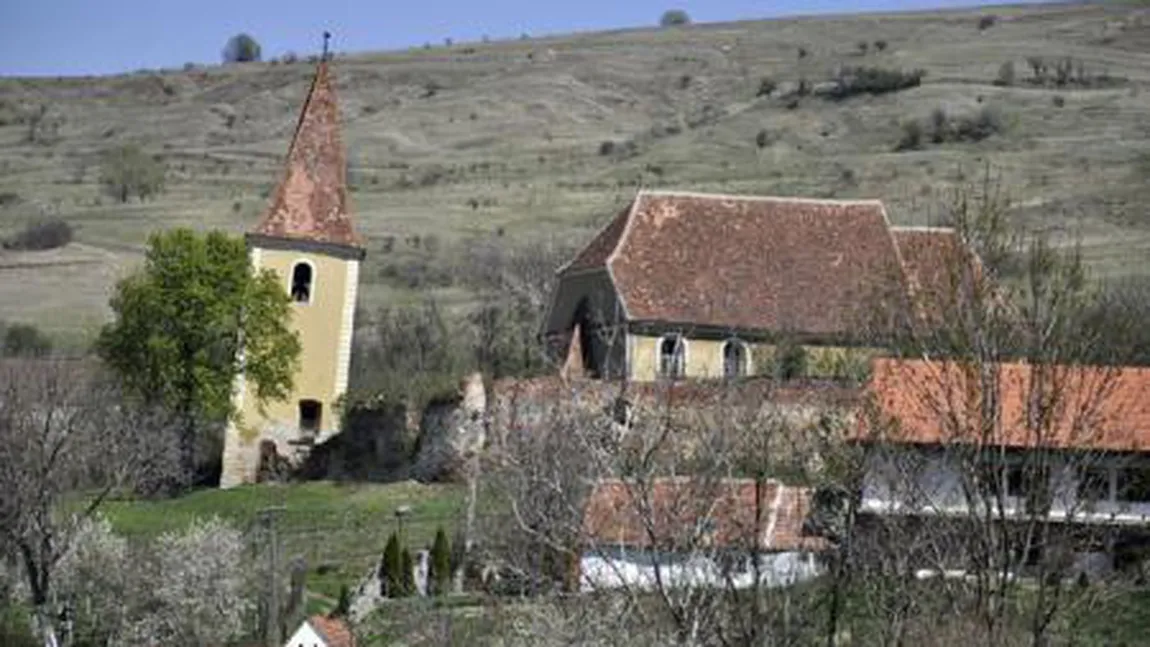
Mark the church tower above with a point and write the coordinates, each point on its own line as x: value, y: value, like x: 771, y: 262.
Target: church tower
x: 308, y: 239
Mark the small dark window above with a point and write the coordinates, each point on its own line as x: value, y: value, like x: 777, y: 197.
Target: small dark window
x: 671, y: 352
x: 734, y: 359
x: 301, y: 283
x: 1134, y: 484
x: 1093, y: 485
x: 310, y: 416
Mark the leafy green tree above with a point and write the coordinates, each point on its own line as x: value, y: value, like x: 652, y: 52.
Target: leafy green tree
x: 674, y: 18
x: 241, y: 48
x: 128, y: 171
x: 26, y: 340
x: 440, y: 564
x: 179, y: 322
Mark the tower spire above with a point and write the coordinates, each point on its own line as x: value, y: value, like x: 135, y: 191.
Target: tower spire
x: 311, y: 202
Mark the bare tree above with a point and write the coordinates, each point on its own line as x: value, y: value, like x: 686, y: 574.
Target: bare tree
x: 66, y: 443
x: 692, y: 472
x: 987, y: 433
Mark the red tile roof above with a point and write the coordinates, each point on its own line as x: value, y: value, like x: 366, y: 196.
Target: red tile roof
x: 334, y: 631
x: 809, y: 266
x: 1090, y: 408
x: 932, y: 258
x: 680, y: 513
x: 311, y: 200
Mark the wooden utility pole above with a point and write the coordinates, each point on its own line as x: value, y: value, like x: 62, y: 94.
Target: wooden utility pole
x: 273, y: 620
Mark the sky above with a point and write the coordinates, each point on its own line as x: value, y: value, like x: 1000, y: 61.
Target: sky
x: 81, y: 37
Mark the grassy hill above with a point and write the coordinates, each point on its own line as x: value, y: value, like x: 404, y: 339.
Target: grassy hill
x: 507, y: 139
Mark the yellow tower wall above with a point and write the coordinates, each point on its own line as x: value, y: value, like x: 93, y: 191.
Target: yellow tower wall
x: 324, y: 325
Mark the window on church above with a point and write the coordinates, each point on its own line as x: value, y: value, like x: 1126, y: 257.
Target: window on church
x: 672, y: 354
x: 301, y: 278
x: 734, y: 359
x: 310, y: 416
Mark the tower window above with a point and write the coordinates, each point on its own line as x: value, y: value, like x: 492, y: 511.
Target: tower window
x: 310, y: 416
x: 734, y: 359
x: 301, y: 279
x: 672, y: 353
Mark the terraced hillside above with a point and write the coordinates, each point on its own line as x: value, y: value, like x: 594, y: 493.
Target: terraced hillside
x: 508, y: 139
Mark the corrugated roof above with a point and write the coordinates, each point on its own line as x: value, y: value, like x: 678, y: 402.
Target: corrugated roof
x: 758, y: 263
x: 678, y: 513
x: 311, y: 202
x: 1088, y: 407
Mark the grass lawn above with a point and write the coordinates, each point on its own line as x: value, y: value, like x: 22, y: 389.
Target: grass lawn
x: 340, y: 529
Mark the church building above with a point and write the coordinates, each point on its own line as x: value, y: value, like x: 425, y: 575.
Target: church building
x: 308, y: 239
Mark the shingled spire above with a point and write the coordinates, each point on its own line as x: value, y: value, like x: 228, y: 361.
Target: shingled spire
x: 310, y: 204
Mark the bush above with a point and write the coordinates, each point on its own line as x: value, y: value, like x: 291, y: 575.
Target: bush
x: 1005, y: 74
x: 880, y: 45
x: 42, y: 235
x: 874, y: 80
x: 987, y: 21
x: 1058, y: 100
x: 674, y: 18
x: 763, y: 138
x: 976, y: 128
x: 128, y: 171
x: 939, y: 126
x: 241, y: 48
x: 26, y: 340
x: 792, y: 361
x: 766, y: 87
x: 911, y: 136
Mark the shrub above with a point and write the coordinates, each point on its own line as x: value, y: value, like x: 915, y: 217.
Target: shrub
x: 863, y: 47
x: 763, y: 138
x: 684, y: 81
x: 792, y: 360
x: 911, y: 136
x: 1058, y: 100
x: 241, y: 48
x: 41, y: 235
x: 976, y: 128
x: 407, y: 573
x: 939, y: 126
x: 290, y: 58
x: 874, y: 80
x: 128, y: 171
x: 880, y: 45
x: 1005, y: 74
x: 766, y: 87
x: 439, y: 576
x: 26, y: 340
x: 1037, y: 67
x: 987, y: 21
x: 674, y: 18
x: 802, y: 52
x: 606, y: 147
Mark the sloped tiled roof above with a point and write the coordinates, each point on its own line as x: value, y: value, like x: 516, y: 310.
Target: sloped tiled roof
x: 676, y: 514
x: 311, y: 202
x: 334, y: 631
x: 757, y: 263
x: 1091, y: 407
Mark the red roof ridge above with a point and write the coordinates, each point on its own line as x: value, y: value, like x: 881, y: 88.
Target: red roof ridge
x: 676, y: 193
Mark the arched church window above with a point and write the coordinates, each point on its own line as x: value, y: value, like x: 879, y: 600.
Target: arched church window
x: 672, y: 356
x: 301, y: 280
x: 734, y: 359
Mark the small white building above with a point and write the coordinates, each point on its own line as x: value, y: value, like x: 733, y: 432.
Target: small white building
x: 321, y: 631
x: 684, y: 532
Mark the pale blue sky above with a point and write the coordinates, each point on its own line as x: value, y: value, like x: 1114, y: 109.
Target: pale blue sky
x: 73, y: 37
